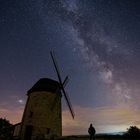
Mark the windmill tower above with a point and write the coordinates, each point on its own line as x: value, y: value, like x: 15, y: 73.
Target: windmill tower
x: 43, y: 115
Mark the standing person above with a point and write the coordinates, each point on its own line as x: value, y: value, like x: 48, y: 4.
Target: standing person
x: 92, y: 132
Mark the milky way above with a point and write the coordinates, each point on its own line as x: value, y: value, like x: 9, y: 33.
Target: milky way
x: 104, y: 35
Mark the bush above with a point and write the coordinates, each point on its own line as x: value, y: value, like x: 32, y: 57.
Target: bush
x: 5, y: 129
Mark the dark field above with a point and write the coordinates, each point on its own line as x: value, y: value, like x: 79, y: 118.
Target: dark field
x: 98, y: 138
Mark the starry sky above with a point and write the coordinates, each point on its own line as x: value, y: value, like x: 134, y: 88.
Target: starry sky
x: 97, y: 45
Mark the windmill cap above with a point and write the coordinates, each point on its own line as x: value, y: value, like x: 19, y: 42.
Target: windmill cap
x: 45, y: 84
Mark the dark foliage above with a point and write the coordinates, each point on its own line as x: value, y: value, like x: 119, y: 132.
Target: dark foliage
x: 133, y: 131
x: 5, y: 129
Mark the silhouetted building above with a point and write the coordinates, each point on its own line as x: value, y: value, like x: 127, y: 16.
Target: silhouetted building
x: 16, y: 131
x: 42, y: 114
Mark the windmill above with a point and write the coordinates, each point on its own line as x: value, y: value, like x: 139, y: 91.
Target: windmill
x: 62, y: 84
x: 42, y: 115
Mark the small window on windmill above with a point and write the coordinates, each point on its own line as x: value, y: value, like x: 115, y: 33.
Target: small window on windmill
x: 48, y: 131
x: 31, y: 114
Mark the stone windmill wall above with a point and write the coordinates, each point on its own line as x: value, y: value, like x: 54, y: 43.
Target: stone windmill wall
x: 42, y: 114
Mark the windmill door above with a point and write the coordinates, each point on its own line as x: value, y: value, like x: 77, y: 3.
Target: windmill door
x: 28, y: 132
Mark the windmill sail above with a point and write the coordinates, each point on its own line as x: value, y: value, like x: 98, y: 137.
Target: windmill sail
x: 65, y: 81
x: 62, y: 84
x: 56, y: 67
x: 68, y: 103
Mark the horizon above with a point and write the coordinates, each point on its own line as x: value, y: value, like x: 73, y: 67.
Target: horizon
x: 66, y: 118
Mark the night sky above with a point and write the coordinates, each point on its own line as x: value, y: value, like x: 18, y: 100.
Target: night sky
x: 97, y: 44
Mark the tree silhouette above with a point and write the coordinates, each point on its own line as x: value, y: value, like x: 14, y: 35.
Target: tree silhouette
x: 133, y: 131
x: 5, y: 129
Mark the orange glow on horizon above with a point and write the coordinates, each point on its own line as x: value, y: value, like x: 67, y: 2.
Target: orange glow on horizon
x: 105, y: 119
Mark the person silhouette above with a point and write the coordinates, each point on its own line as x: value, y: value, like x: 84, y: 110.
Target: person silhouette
x: 91, y: 131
